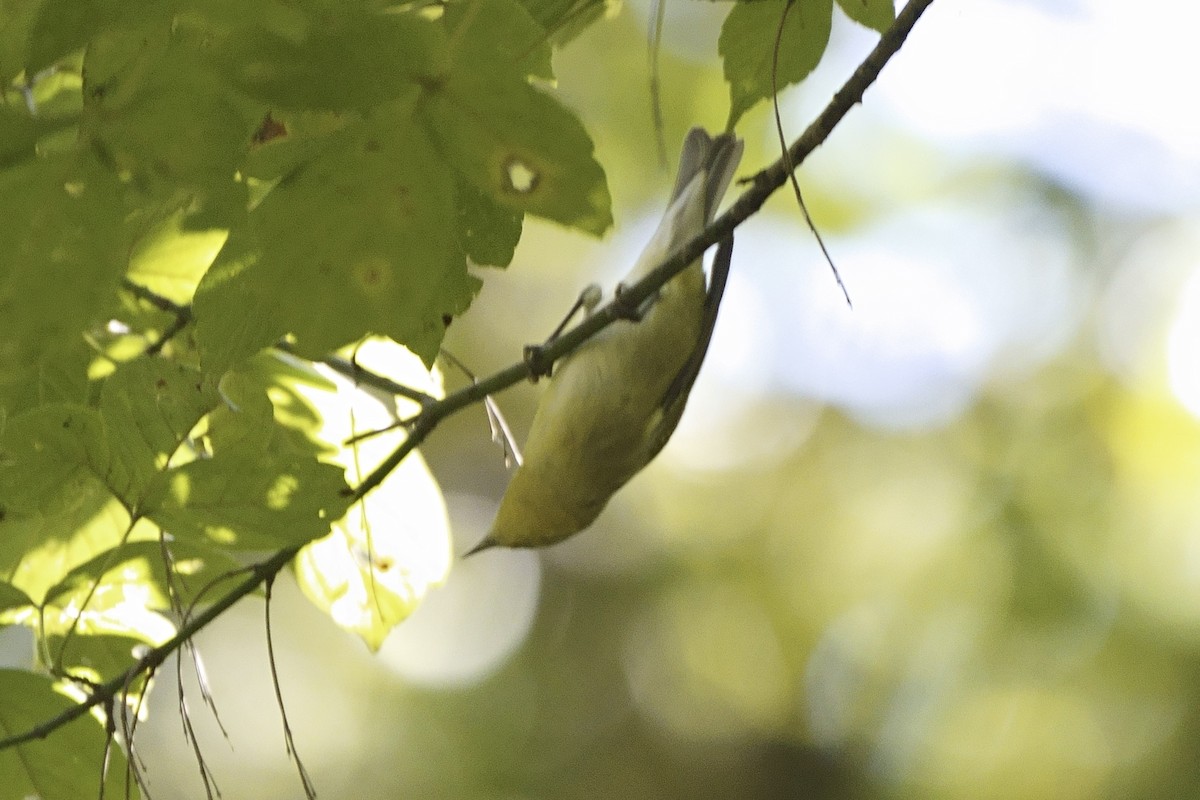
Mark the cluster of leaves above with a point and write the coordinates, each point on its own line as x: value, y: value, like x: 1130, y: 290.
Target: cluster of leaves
x: 185, y: 184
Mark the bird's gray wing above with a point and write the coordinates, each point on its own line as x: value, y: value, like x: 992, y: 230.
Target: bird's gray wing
x: 676, y: 397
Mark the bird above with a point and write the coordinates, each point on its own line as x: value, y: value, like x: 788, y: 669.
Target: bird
x: 612, y: 404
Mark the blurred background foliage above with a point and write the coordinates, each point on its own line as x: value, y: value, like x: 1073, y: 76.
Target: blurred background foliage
x: 943, y: 545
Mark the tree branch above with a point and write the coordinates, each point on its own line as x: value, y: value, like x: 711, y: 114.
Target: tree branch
x: 352, y: 370
x: 154, y: 658
x: 762, y: 186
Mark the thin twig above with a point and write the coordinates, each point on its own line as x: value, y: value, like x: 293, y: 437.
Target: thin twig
x: 155, y: 656
x: 791, y: 169
x: 183, y: 317
x: 109, y: 559
x: 182, y: 314
x: 310, y: 790
x: 360, y: 374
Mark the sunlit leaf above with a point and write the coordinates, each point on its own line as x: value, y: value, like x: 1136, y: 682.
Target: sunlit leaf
x: 257, y: 490
x: 100, y: 657
x: 37, y: 549
x: 138, y: 573
x: 747, y: 45
x: 379, y: 561
x: 250, y: 501
x: 149, y: 406
x: 57, y: 512
x: 54, y: 98
x: 69, y: 473
x: 146, y: 410
x: 66, y: 765
x: 171, y: 258
x: 279, y: 378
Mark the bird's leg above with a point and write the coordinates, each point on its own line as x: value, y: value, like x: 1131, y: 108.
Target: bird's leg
x: 535, y: 354
x: 624, y: 308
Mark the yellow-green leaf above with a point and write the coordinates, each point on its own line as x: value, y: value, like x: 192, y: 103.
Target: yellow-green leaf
x: 747, y: 45
x: 379, y: 561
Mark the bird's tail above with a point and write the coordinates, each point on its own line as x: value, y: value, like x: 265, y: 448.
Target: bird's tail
x: 717, y: 156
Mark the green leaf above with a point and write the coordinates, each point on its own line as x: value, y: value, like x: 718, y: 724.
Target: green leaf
x: 12, y: 600
x: 376, y: 566
x: 160, y: 114
x: 63, y: 468
x: 57, y: 513
x: 137, y: 573
x: 56, y: 106
x: 62, y: 375
x: 563, y: 20
x: 171, y: 258
x: 279, y: 378
x: 515, y: 40
x: 21, y: 132
x: 59, y: 375
x: 256, y: 492
x: 287, y: 142
x: 101, y: 657
x: 67, y: 764
x: 43, y: 450
x: 382, y: 557
x: 246, y: 421
x: 488, y: 232
x: 63, y: 245
x: 348, y: 60
x: 61, y: 28
x: 521, y: 148
x: 875, y: 14
x: 17, y: 18
x: 361, y: 239
x: 747, y: 45
x: 149, y: 407
x: 250, y: 501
